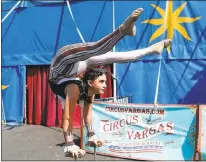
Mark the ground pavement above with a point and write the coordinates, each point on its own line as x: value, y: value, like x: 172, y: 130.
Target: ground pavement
x: 34, y: 142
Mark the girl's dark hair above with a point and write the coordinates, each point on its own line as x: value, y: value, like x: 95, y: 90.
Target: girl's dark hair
x: 92, y: 74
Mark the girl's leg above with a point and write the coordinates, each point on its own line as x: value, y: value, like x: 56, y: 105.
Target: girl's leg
x: 121, y: 57
x: 72, y: 95
x: 82, y: 51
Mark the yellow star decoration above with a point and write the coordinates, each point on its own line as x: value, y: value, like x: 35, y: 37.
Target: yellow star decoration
x: 170, y: 20
x: 4, y: 87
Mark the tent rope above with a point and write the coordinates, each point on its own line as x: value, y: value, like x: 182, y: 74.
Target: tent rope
x: 10, y: 11
x: 77, y: 28
x: 158, y: 82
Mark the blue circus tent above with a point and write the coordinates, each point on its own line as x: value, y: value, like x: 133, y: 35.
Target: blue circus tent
x: 182, y: 74
x: 34, y: 30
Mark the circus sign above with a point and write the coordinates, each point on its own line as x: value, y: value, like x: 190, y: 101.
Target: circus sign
x: 144, y: 133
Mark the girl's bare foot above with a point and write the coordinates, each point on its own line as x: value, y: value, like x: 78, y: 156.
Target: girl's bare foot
x: 128, y: 27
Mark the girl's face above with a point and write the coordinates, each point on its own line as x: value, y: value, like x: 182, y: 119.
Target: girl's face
x: 99, y: 84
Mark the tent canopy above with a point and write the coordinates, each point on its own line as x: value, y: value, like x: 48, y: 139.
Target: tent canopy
x: 35, y: 30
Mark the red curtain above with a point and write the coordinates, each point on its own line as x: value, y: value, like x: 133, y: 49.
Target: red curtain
x: 43, y: 106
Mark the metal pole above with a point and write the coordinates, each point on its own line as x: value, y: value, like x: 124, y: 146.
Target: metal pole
x: 95, y: 152
x: 114, y: 64
x: 3, y: 113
